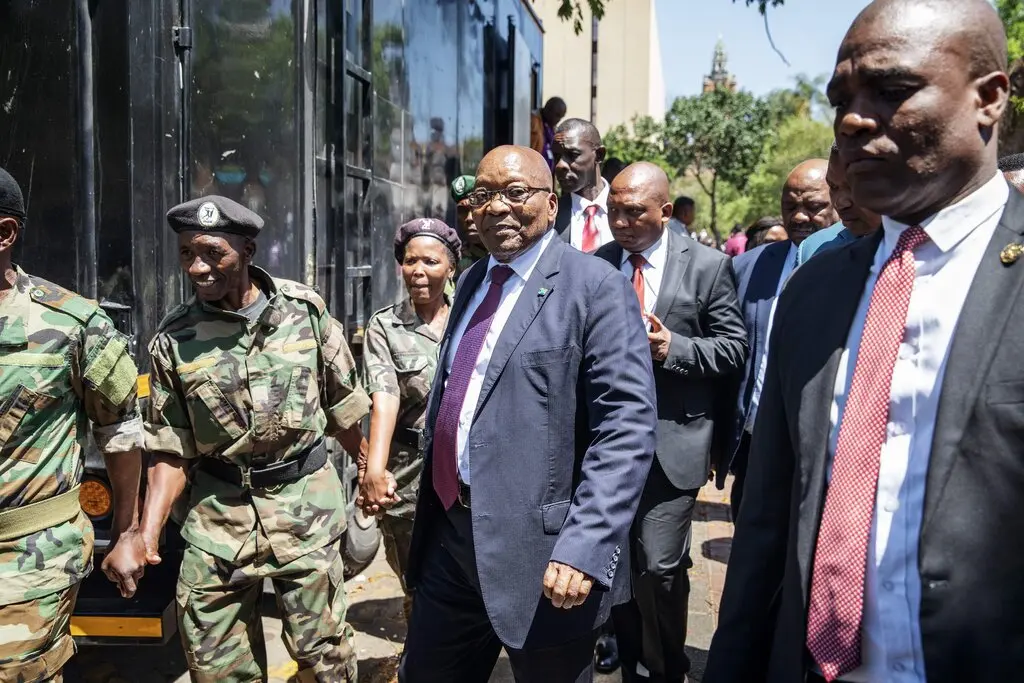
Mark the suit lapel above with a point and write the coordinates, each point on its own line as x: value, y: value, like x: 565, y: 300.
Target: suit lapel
x: 536, y: 291
x: 676, y: 260
x: 767, y: 283
x: 985, y: 313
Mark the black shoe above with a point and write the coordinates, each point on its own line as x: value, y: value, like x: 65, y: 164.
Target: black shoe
x: 606, y: 654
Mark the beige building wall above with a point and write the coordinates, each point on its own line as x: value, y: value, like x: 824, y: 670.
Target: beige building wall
x: 629, y: 74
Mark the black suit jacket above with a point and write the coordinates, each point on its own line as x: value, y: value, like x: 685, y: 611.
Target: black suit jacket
x: 969, y: 557
x: 564, y: 216
x: 560, y: 446
x: 697, y: 303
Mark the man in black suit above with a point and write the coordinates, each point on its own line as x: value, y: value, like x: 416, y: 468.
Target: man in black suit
x: 582, y: 219
x: 762, y: 272
x: 539, y: 436
x: 879, y: 537
x: 688, y: 296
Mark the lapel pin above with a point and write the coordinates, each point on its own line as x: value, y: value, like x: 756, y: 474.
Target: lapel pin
x: 1010, y: 253
x: 543, y: 291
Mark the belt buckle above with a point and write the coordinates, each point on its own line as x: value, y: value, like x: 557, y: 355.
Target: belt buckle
x: 246, y: 477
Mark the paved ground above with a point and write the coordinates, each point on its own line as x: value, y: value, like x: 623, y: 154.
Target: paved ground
x: 376, y: 614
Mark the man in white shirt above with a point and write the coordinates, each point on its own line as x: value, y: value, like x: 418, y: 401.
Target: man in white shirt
x: 538, y: 441
x: 583, y: 220
x: 762, y: 272
x: 697, y: 342
x: 879, y: 536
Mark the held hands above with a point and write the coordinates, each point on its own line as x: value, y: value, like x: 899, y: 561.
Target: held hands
x: 566, y: 587
x: 377, y: 492
x: 659, y: 337
x: 126, y: 562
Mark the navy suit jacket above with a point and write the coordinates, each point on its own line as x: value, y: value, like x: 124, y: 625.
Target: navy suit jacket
x: 560, y: 447
x: 757, y: 274
x: 697, y: 303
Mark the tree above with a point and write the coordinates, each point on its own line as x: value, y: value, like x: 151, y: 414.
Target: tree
x: 718, y: 136
x: 572, y: 10
x: 1011, y: 133
x: 640, y: 142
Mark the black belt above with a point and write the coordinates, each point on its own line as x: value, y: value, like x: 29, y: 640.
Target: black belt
x: 413, y: 438
x: 307, y: 462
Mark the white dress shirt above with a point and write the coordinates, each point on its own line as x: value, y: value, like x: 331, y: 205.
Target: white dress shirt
x: 579, y: 218
x: 522, y: 267
x: 652, y: 272
x: 787, y: 269
x: 945, y: 268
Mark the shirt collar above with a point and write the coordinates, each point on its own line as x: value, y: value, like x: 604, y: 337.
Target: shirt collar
x: 14, y: 311
x: 406, y: 315
x: 601, y: 200
x: 524, y: 264
x: 953, y: 224
x: 654, y: 254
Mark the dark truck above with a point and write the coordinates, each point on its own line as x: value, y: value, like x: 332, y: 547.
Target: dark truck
x: 335, y: 120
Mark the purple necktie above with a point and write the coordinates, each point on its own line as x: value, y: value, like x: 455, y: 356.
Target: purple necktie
x: 446, y: 428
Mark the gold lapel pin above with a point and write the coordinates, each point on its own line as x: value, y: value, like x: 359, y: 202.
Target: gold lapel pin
x: 1010, y: 253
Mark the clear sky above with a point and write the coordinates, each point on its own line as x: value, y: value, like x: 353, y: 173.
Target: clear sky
x: 808, y: 33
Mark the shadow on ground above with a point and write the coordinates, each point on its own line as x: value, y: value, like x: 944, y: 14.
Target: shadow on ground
x: 717, y: 549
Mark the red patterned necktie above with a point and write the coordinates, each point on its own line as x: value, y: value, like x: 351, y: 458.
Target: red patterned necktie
x: 638, y: 262
x: 836, y: 606
x: 590, y: 234
x: 444, y: 466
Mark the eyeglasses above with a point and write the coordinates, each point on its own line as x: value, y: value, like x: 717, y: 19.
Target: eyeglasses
x: 516, y: 195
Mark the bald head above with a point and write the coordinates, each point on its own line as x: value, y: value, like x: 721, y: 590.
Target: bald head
x: 578, y: 154
x: 638, y: 206
x: 806, y: 205
x: 520, y: 161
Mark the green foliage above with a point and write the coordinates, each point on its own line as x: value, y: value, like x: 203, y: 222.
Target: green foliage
x: 642, y: 141
x: 1012, y: 14
x: 797, y: 139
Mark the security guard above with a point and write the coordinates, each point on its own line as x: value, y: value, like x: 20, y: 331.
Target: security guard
x: 473, y: 249
x: 62, y: 365
x: 399, y: 361
x: 247, y: 379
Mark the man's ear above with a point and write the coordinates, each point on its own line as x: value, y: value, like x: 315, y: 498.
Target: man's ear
x: 600, y: 153
x: 9, y: 231
x: 249, y: 251
x: 993, y: 94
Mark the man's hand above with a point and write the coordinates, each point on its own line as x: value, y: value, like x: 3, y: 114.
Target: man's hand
x: 125, y: 564
x: 566, y: 587
x: 151, y: 541
x: 377, y: 492
x: 659, y: 338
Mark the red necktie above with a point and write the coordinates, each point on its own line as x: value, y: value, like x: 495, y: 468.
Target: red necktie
x: 638, y: 262
x: 444, y: 466
x: 836, y: 606
x: 591, y: 240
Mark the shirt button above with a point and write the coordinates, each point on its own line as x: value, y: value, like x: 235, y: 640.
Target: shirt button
x: 906, y: 351
x: 888, y: 585
x: 896, y: 429
x: 892, y: 505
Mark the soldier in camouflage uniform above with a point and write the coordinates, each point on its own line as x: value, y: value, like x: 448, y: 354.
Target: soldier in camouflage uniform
x: 247, y: 379
x: 62, y: 366
x: 399, y: 361
x: 473, y: 249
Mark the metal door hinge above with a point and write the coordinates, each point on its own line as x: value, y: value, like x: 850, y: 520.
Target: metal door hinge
x: 183, y: 37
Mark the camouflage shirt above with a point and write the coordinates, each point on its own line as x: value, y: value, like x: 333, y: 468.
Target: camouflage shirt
x: 255, y: 394
x: 62, y: 366
x: 400, y: 359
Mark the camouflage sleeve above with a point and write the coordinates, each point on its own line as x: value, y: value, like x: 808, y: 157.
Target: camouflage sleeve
x: 379, y: 374
x: 346, y: 402
x: 168, y: 429
x: 105, y: 378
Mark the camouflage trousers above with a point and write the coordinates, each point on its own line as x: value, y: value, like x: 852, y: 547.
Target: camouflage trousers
x: 396, y: 532
x: 35, y: 638
x: 219, y: 610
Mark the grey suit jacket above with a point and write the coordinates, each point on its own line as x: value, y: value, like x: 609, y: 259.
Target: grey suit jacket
x: 560, y: 446
x: 969, y: 558
x: 696, y: 383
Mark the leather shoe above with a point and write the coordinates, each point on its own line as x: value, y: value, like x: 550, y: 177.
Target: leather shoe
x: 606, y: 654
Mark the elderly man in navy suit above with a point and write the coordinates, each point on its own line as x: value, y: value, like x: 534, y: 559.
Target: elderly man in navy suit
x: 761, y: 273
x: 540, y: 435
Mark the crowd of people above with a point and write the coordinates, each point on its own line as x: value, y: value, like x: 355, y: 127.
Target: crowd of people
x: 539, y: 432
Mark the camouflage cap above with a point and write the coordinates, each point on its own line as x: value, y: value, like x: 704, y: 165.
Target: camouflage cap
x: 214, y: 214
x: 462, y: 186
x: 11, y: 201
x: 431, y: 227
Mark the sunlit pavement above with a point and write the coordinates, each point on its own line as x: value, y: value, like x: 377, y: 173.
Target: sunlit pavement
x: 375, y: 612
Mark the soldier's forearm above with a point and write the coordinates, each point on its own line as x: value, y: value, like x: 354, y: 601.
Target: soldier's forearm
x: 383, y: 418
x: 166, y: 480
x: 125, y: 471
x: 354, y: 444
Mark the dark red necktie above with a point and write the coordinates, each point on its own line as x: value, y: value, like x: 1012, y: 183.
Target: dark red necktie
x: 591, y: 237
x: 445, y: 468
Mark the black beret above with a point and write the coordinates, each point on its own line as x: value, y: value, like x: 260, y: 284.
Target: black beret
x: 11, y: 201
x: 214, y: 214
x: 433, y: 227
